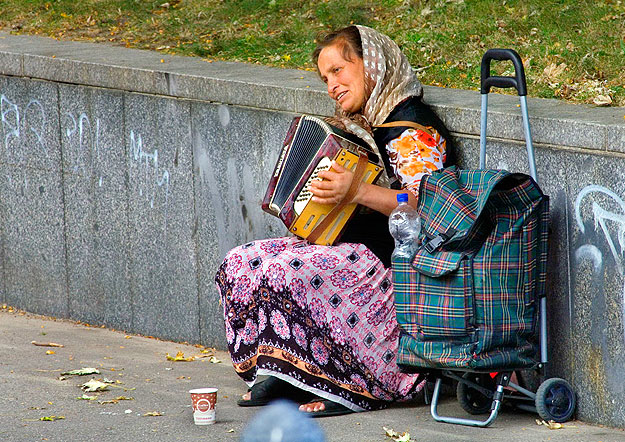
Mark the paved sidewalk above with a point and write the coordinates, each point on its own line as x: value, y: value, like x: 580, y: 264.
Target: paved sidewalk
x: 30, y: 389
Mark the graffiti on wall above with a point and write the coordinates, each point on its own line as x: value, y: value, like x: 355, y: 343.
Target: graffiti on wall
x: 22, y: 130
x: 17, y: 125
x: 152, y: 176
x: 84, y: 138
x: 23, y: 135
x: 611, y: 223
x: 237, y: 218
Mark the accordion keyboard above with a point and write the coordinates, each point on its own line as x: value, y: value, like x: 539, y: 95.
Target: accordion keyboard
x: 305, y: 195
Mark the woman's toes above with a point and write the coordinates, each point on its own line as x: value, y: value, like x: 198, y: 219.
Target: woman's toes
x: 247, y: 396
x: 312, y: 406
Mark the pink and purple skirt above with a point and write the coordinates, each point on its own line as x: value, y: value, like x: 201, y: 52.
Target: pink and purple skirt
x: 319, y: 317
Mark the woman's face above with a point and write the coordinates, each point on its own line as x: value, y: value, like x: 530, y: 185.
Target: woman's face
x: 345, y: 78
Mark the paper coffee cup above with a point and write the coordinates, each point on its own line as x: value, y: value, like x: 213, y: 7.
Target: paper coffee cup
x: 204, y: 401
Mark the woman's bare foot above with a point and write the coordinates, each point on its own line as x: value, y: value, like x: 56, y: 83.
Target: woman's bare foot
x: 323, y: 407
x: 312, y: 406
x: 247, y: 396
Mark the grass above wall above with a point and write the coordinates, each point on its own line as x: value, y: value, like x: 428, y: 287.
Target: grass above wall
x: 572, y: 50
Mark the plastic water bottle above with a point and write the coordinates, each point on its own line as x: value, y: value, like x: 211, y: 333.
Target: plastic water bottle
x: 404, y: 225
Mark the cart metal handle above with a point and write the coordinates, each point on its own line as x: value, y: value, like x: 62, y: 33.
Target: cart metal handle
x: 518, y: 81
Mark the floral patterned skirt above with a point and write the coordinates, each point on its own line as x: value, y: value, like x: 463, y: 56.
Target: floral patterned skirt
x: 319, y: 317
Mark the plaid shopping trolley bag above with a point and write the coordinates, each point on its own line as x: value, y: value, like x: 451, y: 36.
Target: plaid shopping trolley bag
x: 469, y: 299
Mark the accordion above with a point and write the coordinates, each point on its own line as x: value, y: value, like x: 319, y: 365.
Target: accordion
x: 310, y: 146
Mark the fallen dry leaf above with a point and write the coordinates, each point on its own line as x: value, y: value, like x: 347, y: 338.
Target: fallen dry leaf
x: 206, y: 352
x: 94, y: 385
x: 200, y: 356
x: 214, y: 360
x: 390, y: 432
x: 153, y: 413
x: 50, y: 352
x: 602, y: 100
x: 552, y: 72
x: 81, y: 372
x: 51, y: 418
x: 85, y: 397
x: 552, y: 425
x: 46, y: 344
x: 404, y: 437
x: 116, y: 400
x: 179, y: 357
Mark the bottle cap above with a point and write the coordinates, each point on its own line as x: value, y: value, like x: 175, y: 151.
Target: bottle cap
x: 402, y: 197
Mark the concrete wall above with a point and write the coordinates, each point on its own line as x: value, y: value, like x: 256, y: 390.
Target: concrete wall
x: 125, y: 176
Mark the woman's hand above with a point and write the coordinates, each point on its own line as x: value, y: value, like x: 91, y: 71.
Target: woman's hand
x: 334, y: 186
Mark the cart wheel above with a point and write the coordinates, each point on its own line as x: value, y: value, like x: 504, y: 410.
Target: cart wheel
x: 555, y: 400
x: 471, y: 400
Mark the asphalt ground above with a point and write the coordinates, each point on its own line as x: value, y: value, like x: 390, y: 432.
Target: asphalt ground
x: 157, y: 405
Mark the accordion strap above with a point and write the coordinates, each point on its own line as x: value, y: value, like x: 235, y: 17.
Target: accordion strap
x: 361, y: 167
x: 412, y: 124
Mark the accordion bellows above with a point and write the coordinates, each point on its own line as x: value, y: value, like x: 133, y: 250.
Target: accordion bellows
x: 310, y: 146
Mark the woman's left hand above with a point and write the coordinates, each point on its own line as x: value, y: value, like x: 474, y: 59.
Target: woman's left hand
x: 334, y: 186
x: 336, y: 183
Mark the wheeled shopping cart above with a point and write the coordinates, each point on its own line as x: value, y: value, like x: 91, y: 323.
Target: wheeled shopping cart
x: 472, y: 303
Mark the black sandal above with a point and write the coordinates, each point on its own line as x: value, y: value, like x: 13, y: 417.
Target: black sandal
x: 271, y: 389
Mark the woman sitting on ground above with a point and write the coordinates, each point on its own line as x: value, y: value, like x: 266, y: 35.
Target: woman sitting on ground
x: 320, y: 320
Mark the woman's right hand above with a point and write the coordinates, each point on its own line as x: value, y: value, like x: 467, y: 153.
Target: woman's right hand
x: 333, y: 185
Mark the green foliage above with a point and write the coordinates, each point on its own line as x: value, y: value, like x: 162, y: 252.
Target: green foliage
x: 572, y: 49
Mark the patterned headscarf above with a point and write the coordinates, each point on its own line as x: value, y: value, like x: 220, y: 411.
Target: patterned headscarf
x: 389, y: 79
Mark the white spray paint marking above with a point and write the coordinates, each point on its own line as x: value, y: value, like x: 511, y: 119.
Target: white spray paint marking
x: 601, y: 216
x: 14, y: 125
x: 35, y: 113
x: 237, y: 215
x: 10, y: 114
x: 201, y: 161
x: 224, y: 115
x: 502, y: 165
x: 254, y: 216
x: 591, y: 252
x: 83, y: 141
x: 18, y: 129
x: 210, y: 185
x: 151, y: 178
